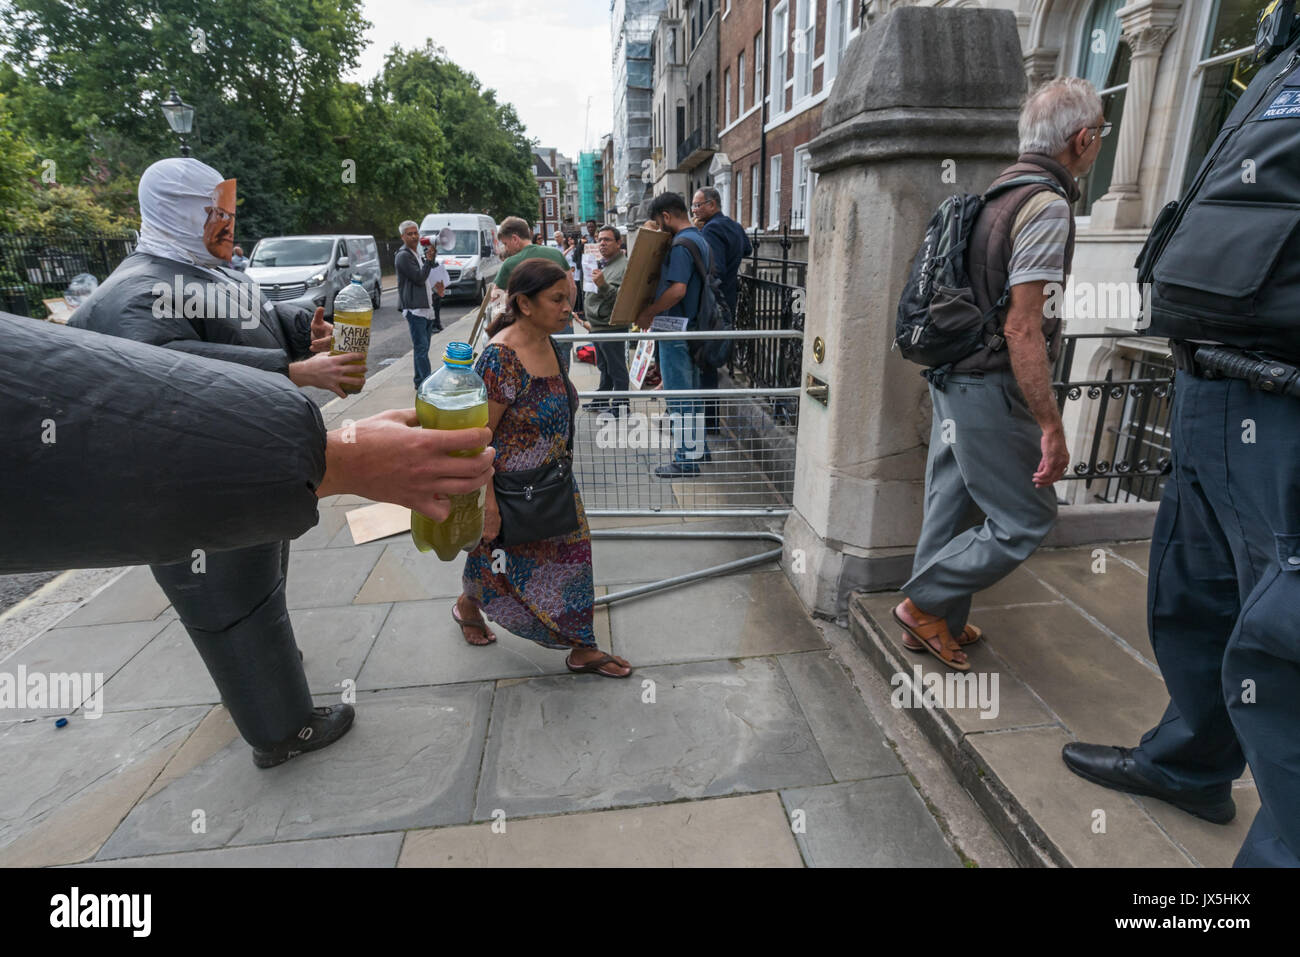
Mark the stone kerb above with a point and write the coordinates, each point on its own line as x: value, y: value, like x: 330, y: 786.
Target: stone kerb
x: 926, y: 105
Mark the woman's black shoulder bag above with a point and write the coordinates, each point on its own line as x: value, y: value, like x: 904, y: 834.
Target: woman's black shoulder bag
x: 539, y: 503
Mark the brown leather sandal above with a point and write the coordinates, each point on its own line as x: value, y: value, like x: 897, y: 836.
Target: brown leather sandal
x: 470, y: 623
x: 594, y: 666
x: 969, y: 635
x: 932, y: 629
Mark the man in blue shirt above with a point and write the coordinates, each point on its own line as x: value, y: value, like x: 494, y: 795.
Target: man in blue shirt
x: 678, y: 295
x: 730, y: 245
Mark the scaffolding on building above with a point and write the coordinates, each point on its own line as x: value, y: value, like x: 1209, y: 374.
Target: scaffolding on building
x: 632, y: 26
x: 591, y: 204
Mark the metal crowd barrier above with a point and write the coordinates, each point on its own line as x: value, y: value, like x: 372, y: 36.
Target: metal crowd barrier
x: 742, y: 441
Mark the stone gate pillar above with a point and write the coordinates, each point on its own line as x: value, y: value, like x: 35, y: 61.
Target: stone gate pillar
x: 925, y: 105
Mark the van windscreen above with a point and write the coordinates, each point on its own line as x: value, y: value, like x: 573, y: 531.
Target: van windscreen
x: 467, y: 242
x: 292, y: 252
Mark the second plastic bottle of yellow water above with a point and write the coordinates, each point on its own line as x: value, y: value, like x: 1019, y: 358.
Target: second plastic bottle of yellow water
x: 454, y: 397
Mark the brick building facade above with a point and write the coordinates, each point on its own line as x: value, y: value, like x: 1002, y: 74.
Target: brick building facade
x: 776, y: 77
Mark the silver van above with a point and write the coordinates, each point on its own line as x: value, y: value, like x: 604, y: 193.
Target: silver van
x: 309, y: 271
x: 472, y: 261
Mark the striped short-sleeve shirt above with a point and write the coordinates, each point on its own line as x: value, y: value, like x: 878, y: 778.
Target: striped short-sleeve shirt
x: 1038, y: 238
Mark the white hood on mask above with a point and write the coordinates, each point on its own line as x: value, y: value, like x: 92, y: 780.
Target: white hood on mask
x: 173, y: 195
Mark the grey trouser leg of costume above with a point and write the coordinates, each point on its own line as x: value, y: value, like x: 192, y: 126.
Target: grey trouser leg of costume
x: 988, y: 447
x: 235, y: 614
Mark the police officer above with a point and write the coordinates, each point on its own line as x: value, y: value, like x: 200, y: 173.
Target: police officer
x: 1224, y: 586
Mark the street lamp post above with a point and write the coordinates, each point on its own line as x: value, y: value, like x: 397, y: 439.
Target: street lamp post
x: 180, y: 117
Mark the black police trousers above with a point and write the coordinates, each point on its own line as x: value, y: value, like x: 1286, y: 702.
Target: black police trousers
x: 235, y: 613
x: 1223, y: 606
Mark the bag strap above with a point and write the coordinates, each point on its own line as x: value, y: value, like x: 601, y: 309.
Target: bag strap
x: 995, y: 340
x: 568, y: 399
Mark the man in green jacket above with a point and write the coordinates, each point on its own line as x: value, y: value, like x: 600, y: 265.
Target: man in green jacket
x: 611, y: 357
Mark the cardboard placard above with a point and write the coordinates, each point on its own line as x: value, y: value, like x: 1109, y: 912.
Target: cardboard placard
x: 58, y: 309
x: 642, y: 277
x: 378, y: 521
x: 641, y: 359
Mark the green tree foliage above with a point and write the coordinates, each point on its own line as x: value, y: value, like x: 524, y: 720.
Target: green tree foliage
x: 489, y: 167
x: 83, y: 81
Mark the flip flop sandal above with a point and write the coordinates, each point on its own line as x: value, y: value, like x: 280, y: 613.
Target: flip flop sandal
x: 935, y: 627
x: 464, y: 623
x: 969, y: 635
x: 593, y: 667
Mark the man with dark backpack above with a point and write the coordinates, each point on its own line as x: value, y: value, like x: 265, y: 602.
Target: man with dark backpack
x: 688, y: 298
x: 996, y: 441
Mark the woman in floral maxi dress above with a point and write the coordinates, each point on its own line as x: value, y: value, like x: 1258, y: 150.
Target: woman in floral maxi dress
x: 544, y: 592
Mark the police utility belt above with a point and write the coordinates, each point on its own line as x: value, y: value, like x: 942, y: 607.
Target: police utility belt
x: 1219, y: 362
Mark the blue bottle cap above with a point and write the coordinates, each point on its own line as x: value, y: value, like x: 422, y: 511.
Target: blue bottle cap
x: 61, y: 723
x: 458, y: 355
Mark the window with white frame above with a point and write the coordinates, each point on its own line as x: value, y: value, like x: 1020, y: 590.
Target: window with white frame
x: 726, y: 82
x: 740, y: 195
x: 805, y: 27
x: 774, y: 193
x: 740, y: 84
x: 780, y: 49
x: 758, y: 68
x: 1103, y: 60
x: 1225, y: 69
x: 837, y: 38
x: 753, y: 195
x: 550, y: 208
x: 800, y: 191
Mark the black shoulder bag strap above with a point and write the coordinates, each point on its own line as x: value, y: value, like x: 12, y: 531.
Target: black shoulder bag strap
x: 568, y: 397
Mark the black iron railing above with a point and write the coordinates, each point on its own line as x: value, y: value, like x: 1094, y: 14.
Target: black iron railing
x: 771, y: 295
x: 36, y: 267
x: 689, y: 145
x: 1125, y: 419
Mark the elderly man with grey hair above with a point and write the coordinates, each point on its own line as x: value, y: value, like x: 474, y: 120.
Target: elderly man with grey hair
x: 413, y: 295
x: 997, y: 445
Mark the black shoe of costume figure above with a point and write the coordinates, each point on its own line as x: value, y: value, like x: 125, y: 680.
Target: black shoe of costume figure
x: 326, y: 726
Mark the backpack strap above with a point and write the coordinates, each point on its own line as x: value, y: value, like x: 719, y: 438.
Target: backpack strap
x: 994, y: 339
x: 699, y: 266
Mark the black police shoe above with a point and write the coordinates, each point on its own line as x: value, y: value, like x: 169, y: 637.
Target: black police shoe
x: 326, y: 726
x: 1115, y: 768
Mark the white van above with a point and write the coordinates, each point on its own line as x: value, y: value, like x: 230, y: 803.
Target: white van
x: 310, y: 270
x: 473, y: 262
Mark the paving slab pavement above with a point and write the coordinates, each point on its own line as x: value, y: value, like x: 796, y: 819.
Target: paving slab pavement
x: 736, y: 705
x: 1065, y: 638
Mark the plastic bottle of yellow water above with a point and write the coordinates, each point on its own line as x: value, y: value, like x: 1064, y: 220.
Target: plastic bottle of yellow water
x: 352, y: 314
x: 454, y: 397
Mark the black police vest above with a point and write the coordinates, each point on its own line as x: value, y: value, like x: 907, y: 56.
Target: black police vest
x: 1224, y: 262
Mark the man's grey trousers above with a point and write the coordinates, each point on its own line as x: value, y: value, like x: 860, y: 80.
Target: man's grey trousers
x: 984, y: 449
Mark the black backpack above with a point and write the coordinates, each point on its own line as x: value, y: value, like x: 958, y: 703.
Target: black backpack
x: 938, y: 321
x: 712, y: 315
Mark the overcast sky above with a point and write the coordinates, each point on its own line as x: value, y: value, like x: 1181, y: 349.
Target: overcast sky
x: 546, y: 63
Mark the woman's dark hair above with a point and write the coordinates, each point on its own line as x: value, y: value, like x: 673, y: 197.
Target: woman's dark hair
x: 529, y: 278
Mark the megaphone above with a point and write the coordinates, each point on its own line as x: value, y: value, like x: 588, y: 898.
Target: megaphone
x: 446, y: 240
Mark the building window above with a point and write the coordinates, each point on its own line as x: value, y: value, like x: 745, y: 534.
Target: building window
x: 1104, y: 62
x: 774, y: 193
x: 740, y: 196
x: 550, y: 208
x: 1225, y: 70
x: 758, y: 68
x: 837, y: 38
x: 780, y: 48
x: 805, y: 35
x: 801, y: 191
x: 740, y: 83
x: 726, y: 97
x: 708, y: 108
x: 753, y: 196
